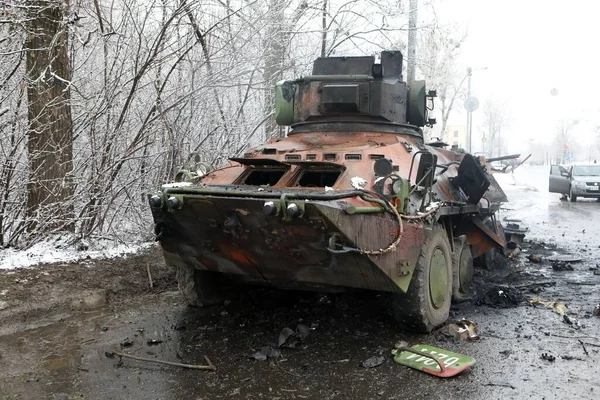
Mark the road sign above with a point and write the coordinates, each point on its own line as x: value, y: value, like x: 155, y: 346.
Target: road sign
x: 471, y: 104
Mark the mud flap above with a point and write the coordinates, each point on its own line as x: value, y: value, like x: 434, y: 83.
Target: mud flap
x: 432, y: 360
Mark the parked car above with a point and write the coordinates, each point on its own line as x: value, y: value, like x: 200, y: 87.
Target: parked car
x: 575, y: 181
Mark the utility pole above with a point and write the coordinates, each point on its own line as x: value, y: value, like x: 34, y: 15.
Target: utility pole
x: 469, y: 113
x: 412, y: 41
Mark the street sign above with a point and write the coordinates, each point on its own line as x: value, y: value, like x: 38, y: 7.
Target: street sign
x: 471, y: 104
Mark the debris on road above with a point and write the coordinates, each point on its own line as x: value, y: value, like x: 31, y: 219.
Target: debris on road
x: 432, y: 360
x: 266, y: 352
x: 127, y: 342
x: 514, y: 253
x: 548, y: 357
x: 596, y: 311
x: 401, y: 343
x: 564, y: 258
x: 3, y: 305
x: 462, y: 329
x: 373, y: 362
x: 501, y: 297
x: 561, y: 266
x: 287, y: 338
x: 290, y: 338
x: 514, y: 234
x: 209, y: 367
x: 151, y: 342
x: 534, y: 258
x: 558, y: 306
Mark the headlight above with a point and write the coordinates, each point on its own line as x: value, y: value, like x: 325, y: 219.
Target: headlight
x: 579, y: 184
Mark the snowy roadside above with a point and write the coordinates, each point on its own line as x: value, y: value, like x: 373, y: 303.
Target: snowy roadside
x: 65, y: 249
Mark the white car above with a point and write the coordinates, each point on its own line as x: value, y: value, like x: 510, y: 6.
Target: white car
x: 575, y: 181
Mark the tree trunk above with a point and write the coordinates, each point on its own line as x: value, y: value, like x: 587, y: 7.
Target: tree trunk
x: 50, y: 140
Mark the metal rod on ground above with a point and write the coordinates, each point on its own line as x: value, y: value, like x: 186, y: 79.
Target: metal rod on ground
x: 149, y: 276
x: 209, y: 367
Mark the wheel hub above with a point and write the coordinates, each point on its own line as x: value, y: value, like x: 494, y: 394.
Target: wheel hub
x: 438, y: 278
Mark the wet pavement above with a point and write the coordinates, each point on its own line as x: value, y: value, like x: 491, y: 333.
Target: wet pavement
x: 64, y: 359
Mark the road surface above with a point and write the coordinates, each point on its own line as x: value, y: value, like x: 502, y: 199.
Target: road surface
x: 64, y: 357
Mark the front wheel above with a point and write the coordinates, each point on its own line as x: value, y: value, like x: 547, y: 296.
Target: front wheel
x: 426, y: 304
x: 462, y: 271
x: 572, y: 197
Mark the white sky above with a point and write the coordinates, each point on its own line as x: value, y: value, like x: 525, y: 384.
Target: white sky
x: 530, y: 47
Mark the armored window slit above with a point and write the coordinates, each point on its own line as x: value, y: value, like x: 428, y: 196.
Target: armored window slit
x: 319, y: 178
x: 264, y: 176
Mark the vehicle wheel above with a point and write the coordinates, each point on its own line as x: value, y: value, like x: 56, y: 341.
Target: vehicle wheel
x: 426, y: 304
x: 572, y: 198
x: 462, y: 273
x: 200, y: 288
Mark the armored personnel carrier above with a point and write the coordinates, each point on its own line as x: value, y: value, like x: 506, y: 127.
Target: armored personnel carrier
x: 352, y: 198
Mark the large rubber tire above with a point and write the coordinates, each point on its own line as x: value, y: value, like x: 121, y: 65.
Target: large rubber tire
x: 416, y: 310
x: 462, y: 273
x: 200, y: 288
x: 572, y: 198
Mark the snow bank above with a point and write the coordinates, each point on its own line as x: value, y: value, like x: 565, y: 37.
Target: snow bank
x: 66, y: 249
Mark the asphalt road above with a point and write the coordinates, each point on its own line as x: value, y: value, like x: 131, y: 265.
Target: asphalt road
x: 66, y: 358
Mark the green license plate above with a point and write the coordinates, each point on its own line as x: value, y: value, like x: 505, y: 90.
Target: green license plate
x: 433, y: 360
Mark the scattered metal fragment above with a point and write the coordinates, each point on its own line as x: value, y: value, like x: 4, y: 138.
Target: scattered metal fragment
x: 209, y: 367
x: 373, y: 362
x: 151, y: 342
x: 127, y: 342
x: 596, y: 311
x: 567, y: 320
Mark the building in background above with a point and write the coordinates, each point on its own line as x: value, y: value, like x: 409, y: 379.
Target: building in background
x: 456, y: 135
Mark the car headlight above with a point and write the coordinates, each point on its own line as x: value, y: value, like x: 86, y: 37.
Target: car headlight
x: 580, y: 185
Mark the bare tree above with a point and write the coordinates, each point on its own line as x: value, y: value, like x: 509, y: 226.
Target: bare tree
x: 129, y: 89
x: 495, y: 121
x: 563, y: 141
x: 50, y: 135
x: 437, y: 62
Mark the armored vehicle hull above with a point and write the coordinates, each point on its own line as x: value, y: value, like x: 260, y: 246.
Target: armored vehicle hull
x: 343, y: 202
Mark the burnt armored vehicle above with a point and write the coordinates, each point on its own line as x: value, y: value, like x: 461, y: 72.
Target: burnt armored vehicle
x: 352, y: 198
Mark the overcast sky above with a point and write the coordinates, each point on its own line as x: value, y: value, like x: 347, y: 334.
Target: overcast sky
x: 530, y: 47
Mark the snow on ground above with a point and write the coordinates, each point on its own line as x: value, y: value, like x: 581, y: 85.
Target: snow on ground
x: 66, y: 249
